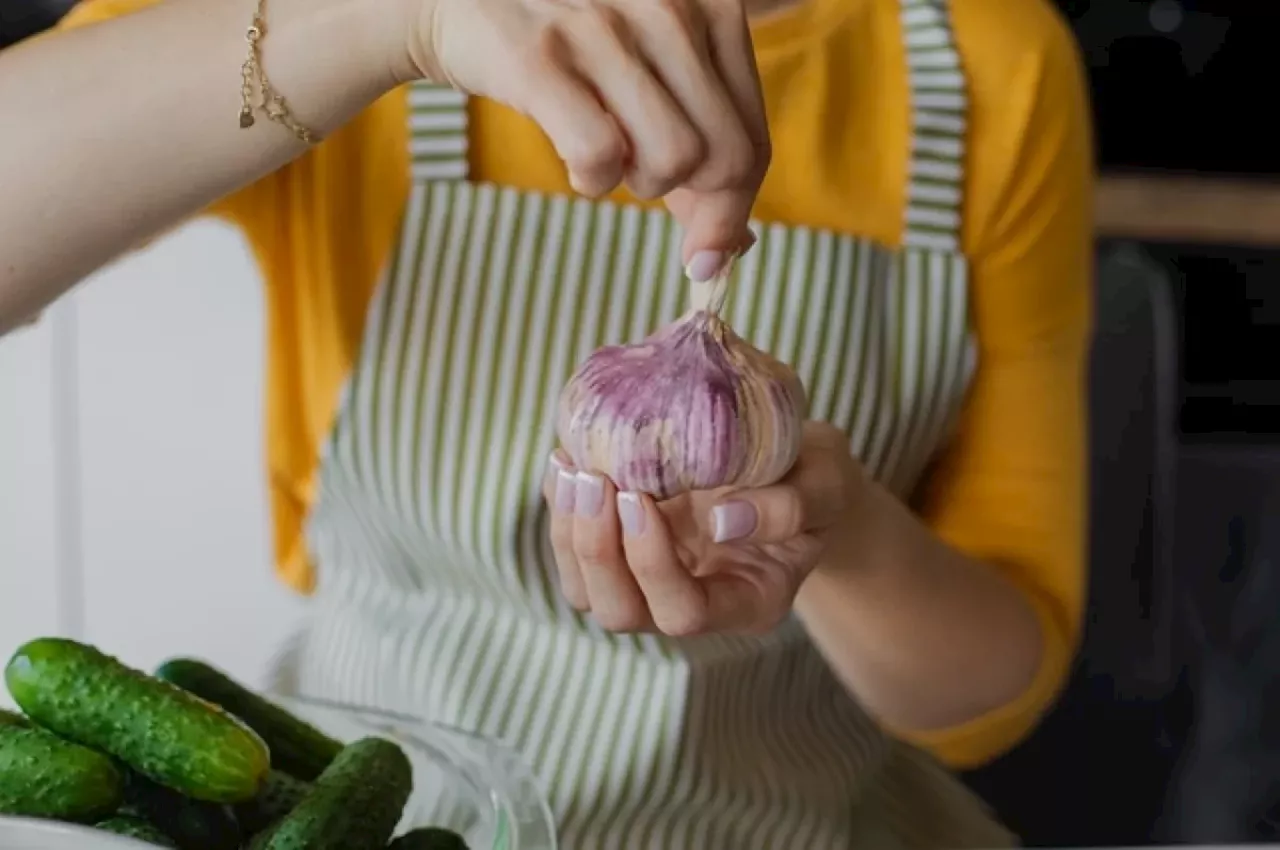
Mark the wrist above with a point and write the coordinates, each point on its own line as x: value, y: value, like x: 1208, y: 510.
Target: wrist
x: 332, y: 58
x: 848, y: 534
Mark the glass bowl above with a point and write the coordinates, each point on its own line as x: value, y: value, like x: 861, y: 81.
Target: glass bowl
x: 477, y: 787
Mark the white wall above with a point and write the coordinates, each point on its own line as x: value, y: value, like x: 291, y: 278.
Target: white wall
x: 143, y: 456
x: 28, y: 556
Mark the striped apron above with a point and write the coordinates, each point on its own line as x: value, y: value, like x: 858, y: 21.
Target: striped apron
x: 437, y: 592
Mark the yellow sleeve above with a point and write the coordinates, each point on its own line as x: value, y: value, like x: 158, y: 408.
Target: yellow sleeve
x: 320, y: 229
x: 240, y: 208
x: 1011, y: 490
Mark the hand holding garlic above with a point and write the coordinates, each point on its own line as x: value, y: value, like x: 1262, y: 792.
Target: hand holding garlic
x: 724, y: 561
x: 691, y: 496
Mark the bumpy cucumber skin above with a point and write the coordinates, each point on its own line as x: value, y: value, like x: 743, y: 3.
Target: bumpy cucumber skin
x: 297, y: 747
x: 429, y: 838
x: 354, y: 805
x: 43, y: 776
x: 192, y: 824
x: 12, y: 718
x: 260, y: 841
x: 134, y: 827
x: 279, y: 795
x: 158, y: 729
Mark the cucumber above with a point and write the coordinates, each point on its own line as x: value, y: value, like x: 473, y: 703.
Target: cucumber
x: 156, y: 728
x: 297, y: 747
x: 259, y: 841
x: 354, y: 805
x: 12, y: 718
x: 192, y: 824
x: 43, y: 776
x: 279, y: 795
x: 135, y: 827
x: 429, y: 838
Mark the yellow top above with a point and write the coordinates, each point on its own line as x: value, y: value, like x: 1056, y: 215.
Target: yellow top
x: 1010, y: 490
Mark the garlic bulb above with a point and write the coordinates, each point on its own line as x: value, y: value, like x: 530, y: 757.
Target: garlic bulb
x: 692, y: 407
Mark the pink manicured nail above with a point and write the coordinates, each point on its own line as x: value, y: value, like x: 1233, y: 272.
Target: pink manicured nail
x: 733, y: 521
x: 566, y: 489
x: 631, y: 512
x: 705, y: 265
x: 590, y: 496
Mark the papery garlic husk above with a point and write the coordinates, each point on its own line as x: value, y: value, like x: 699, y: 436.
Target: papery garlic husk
x: 692, y: 407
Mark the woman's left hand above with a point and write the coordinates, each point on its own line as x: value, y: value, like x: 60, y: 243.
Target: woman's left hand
x: 723, y: 561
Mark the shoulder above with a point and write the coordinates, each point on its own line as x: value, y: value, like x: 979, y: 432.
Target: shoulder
x: 1004, y: 42
x: 1028, y: 221
x: 1025, y: 77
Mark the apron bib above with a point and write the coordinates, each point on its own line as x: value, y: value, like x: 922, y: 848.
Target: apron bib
x: 436, y: 585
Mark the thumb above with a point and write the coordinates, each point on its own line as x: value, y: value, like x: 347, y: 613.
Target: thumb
x: 811, y: 498
x: 716, y: 226
x: 766, y: 515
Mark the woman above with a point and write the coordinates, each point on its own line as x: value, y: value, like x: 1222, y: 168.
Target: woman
x: 431, y: 283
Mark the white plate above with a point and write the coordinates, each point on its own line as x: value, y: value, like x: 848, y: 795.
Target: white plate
x: 25, y: 834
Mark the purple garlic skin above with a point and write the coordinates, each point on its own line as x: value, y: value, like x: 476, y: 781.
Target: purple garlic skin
x: 692, y: 407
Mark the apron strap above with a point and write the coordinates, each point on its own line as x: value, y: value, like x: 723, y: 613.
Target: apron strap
x: 437, y: 132
x: 939, y: 112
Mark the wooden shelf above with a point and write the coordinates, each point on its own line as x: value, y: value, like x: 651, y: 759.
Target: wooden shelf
x: 1176, y: 208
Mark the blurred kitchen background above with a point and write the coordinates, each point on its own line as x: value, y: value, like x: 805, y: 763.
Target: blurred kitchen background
x: 132, y: 508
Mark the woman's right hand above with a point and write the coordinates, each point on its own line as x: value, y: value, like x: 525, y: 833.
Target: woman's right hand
x: 661, y: 96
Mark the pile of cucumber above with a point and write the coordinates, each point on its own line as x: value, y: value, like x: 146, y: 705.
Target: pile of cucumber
x: 189, y: 759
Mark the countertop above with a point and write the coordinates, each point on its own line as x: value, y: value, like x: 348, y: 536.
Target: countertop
x: 1189, y: 209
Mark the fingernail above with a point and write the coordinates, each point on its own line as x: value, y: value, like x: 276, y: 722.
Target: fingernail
x: 631, y: 512
x: 555, y: 464
x: 733, y: 521
x: 705, y: 265
x: 566, y: 487
x: 590, y: 496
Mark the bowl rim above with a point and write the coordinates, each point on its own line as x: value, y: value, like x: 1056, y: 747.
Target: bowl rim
x: 35, y: 827
x: 515, y: 769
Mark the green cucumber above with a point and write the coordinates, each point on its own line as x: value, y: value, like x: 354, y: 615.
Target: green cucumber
x: 279, y: 795
x: 135, y: 827
x: 429, y: 838
x: 43, y: 776
x: 12, y: 718
x: 260, y: 841
x: 354, y: 805
x: 297, y: 747
x: 192, y: 824
x: 158, y: 729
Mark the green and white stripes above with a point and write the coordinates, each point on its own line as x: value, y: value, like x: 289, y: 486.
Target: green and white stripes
x: 436, y: 591
x: 939, y: 106
x: 437, y: 133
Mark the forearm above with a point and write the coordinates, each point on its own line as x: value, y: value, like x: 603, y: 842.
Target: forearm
x: 122, y: 129
x: 925, y: 637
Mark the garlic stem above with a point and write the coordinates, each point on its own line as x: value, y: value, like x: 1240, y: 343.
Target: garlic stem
x: 710, y: 296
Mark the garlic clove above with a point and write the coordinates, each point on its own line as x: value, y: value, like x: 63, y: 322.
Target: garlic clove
x: 691, y: 407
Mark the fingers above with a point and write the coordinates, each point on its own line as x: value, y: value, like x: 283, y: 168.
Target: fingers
x: 715, y: 216
x: 663, y: 95
x: 559, y: 488
x: 584, y: 133
x: 673, y: 36
x: 665, y: 146
x: 734, y: 59
x: 677, y: 603
x: 616, y: 601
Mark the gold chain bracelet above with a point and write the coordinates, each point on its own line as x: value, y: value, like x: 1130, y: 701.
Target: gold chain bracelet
x: 252, y: 75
